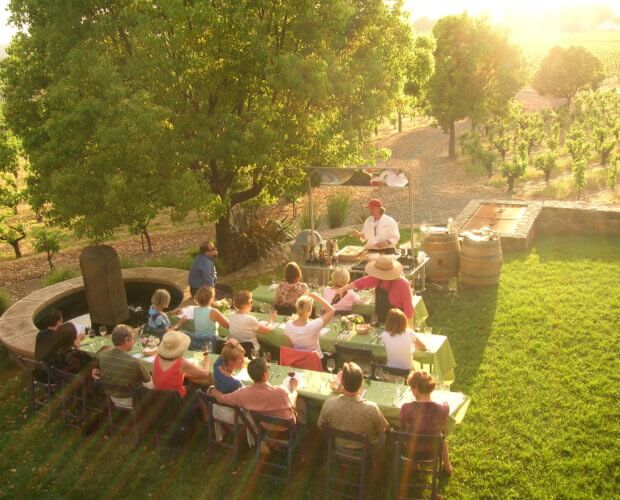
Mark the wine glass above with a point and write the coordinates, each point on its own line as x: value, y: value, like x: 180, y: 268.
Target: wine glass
x: 254, y: 353
x: 208, y: 347
x: 379, y: 375
x: 397, y: 395
x: 374, y: 319
x: 92, y: 333
x: 267, y: 357
x: 331, y: 366
x: 103, y: 330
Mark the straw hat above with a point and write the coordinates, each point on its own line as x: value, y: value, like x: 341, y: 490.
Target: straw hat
x: 384, y: 268
x: 173, y: 344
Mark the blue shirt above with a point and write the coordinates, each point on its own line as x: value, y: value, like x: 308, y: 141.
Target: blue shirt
x: 202, y: 272
x: 222, y: 382
x: 158, y: 321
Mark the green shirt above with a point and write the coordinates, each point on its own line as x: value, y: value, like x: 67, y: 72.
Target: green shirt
x: 119, y: 368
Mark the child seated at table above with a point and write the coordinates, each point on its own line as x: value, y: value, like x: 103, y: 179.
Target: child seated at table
x: 244, y: 326
x: 158, y: 321
x: 340, y: 279
x: 399, y: 340
x: 206, y: 320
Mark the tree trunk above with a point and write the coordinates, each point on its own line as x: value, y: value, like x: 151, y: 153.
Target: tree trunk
x: 547, y: 176
x: 578, y: 193
x: 223, y: 237
x: 511, y: 183
x: 568, y: 99
x: 147, y: 237
x: 452, y: 143
x: 503, y: 153
x: 400, y: 121
x: 49, y: 260
x: 376, y: 130
x: 15, y: 245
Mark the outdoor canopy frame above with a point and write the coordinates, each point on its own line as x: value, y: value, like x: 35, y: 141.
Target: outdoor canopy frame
x: 408, y: 171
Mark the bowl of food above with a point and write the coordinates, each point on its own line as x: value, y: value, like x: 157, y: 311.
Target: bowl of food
x: 149, y: 351
x: 362, y: 328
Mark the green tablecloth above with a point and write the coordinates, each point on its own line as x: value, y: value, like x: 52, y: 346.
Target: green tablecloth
x: 266, y: 294
x: 315, y: 386
x: 438, y: 354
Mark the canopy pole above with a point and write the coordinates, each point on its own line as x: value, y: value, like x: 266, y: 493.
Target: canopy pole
x: 310, y: 209
x: 411, y: 233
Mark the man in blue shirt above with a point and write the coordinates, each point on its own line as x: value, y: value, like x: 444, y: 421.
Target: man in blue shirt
x: 202, y: 271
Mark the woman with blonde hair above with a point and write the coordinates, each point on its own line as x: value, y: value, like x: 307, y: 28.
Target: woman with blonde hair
x: 206, y: 320
x: 304, y: 333
x: 289, y: 290
x: 342, y: 303
x: 424, y: 416
x: 399, y: 340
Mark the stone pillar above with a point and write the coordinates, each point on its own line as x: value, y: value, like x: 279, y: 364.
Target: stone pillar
x: 103, y: 281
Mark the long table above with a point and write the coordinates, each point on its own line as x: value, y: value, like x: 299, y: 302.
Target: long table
x: 315, y: 386
x: 438, y: 354
x: 266, y: 295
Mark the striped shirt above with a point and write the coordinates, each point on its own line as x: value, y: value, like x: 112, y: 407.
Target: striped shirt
x: 119, y: 368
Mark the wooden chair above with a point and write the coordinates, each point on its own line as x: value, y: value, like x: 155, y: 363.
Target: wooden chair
x: 42, y: 384
x: 165, y: 414
x: 115, y: 412
x: 416, y: 463
x: 74, y: 396
x: 237, y: 429
x: 355, y: 461
x: 280, y: 444
x: 361, y: 355
x: 396, y: 372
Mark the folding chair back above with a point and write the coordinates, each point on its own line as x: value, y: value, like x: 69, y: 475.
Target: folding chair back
x: 280, y: 443
x: 360, y: 355
x: 351, y: 458
x: 43, y: 384
x: 308, y: 360
x: 395, y: 372
x: 74, y: 396
x: 116, y: 412
x: 415, y: 464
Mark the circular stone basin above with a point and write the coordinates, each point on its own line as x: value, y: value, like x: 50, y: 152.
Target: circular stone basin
x: 21, y: 322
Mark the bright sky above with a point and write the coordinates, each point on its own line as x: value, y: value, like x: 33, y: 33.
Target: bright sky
x: 495, y: 9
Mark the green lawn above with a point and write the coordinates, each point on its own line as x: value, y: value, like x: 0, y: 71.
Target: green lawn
x: 538, y: 356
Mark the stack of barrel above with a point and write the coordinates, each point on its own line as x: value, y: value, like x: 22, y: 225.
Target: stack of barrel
x: 478, y: 259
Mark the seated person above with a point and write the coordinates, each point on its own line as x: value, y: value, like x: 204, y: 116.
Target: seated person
x: 206, y: 320
x: 289, y: 290
x: 170, y: 367
x: 340, y: 279
x: 304, y: 333
x: 158, y: 321
x: 68, y: 356
x: 118, y: 367
x: 399, y: 340
x: 45, y: 346
x: 350, y: 412
x: 231, y: 360
x: 261, y: 396
x: 424, y: 416
x: 243, y: 326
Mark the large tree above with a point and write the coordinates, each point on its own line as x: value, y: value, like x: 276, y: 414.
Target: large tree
x: 140, y: 106
x: 477, y: 72
x: 565, y: 71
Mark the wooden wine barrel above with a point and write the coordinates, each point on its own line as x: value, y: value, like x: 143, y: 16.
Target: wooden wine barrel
x: 443, y: 249
x: 481, y: 262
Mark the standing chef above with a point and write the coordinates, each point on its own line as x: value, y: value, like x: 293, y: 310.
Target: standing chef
x: 380, y: 232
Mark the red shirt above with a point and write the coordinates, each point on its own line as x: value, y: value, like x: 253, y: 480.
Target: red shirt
x: 170, y: 379
x: 399, y: 292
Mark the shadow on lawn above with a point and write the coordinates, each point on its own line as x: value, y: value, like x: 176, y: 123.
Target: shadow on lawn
x: 579, y: 247
x: 467, y: 321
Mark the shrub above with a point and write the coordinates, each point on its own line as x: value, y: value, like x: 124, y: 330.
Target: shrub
x: 47, y: 240
x: 172, y: 261
x: 58, y: 275
x: 304, y: 220
x: 338, y: 209
x: 5, y: 300
x: 612, y: 171
x: 547, y: 162
x: 256, y: 230
x: 129, y: 263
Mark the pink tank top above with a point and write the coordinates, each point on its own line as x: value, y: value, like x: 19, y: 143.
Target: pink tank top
x: 170, y: 379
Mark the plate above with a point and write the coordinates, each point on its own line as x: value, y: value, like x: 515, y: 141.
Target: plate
x: 362, y: 328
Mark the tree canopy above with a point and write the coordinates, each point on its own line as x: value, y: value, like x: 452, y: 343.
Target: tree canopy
x: 564, y: 71
x: 477, y: 72
x: 143, y: 106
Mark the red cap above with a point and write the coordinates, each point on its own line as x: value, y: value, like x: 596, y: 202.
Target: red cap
x: 375, y: 203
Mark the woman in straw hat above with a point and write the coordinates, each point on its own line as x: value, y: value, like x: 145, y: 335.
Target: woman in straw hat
x: 170, y: 367
x: 392, y: 289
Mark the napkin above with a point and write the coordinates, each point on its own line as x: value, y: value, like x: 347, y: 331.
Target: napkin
x: 150, y: 359
x: 242, y: 375
x: 298, y: 375
x: 264, y: 322
x: 324, y: 331
x: 188, y: 312
x: 138, y: 355
x: 273, y: 286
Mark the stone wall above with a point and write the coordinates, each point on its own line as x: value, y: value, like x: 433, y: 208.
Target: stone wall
x: 578, y: 217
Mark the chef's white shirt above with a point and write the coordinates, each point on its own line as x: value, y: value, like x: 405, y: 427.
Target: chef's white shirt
x: 383, y: 229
